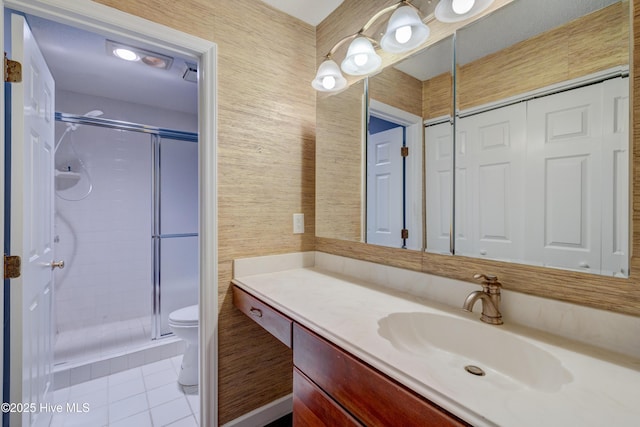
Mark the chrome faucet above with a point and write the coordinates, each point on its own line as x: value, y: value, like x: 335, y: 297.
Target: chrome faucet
x: 490, y: 296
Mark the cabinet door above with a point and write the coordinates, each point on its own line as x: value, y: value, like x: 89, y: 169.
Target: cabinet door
x: 313, y: 408
x: 373, y: 398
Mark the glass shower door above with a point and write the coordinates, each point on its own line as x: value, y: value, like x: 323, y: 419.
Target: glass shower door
x: 176, y: 268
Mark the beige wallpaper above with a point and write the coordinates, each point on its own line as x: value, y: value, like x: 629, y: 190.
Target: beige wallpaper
x: 339, y: 180
x: 595, y: 42
x: 395, y: 88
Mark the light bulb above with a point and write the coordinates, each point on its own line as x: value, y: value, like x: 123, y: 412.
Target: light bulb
x: 462, y: 6
x: 126, y: 54
x: 328, y: 82
x: 360, y: 59
x: 403, y: 34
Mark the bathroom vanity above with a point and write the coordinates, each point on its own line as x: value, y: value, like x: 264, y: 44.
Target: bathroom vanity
x: 332, y: 387
x: 369, y: 355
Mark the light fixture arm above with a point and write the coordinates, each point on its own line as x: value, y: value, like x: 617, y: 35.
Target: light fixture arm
x: 368, y: 25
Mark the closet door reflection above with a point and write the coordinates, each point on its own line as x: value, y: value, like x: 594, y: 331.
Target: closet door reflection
x: 489, y: 184
x: 176, y: 228
x: 542, y: 119
x: 438, y: 185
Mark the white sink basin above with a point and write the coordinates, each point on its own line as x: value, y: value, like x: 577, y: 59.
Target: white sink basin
x: 462, y: 342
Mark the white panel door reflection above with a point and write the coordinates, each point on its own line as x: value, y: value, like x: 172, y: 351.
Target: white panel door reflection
x: 385, y: 218
x: 491, y: 170
x: 439, y: 162
x: 577, y: 179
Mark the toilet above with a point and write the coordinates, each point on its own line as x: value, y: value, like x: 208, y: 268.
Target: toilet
x: 184, y: 323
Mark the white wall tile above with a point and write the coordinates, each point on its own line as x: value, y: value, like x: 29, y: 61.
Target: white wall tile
x: 79, y: 374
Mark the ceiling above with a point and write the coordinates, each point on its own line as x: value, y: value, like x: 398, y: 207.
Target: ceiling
x: 79, y: 62
x: 310, y: 11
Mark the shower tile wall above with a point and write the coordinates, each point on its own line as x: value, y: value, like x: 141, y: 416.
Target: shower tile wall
x: 105, y: 239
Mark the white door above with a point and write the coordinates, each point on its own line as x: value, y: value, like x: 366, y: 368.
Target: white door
x: 564, y: 179
x: 32, y: 142
x: 615, y: 178
x: 491, y: 172
x: 438, y: 151
x: 384, y: 188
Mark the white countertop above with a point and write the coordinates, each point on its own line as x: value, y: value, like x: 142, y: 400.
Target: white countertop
x: 603, y: 389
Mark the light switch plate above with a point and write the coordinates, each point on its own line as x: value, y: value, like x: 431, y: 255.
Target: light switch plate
x: 298, y: 223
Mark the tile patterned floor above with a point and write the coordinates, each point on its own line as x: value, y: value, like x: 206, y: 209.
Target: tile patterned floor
x: 147, y: 396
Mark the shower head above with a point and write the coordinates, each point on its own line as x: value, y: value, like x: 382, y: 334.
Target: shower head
x: 92, y: 113
x: 75, y: 126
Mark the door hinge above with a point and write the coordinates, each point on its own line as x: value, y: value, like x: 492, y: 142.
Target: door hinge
x: 404, y: 233
x: 12, y: 70
x: 12, y: 267
x: 404, y: 151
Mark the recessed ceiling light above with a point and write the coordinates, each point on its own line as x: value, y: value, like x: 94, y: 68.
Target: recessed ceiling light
x: 154, y: 61
x: 126, y: 54
x: 131, y: 53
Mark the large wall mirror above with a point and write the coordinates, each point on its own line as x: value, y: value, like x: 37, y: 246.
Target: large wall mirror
x: 542, y: 136
x: 401, y: 98
x: 541, y: 145
x: 339, y: 163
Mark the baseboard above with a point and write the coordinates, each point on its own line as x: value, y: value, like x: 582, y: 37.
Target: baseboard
x: 265, y: 414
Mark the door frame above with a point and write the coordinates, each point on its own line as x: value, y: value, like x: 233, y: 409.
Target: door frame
x: 114, y: 23
x: 414, y: 135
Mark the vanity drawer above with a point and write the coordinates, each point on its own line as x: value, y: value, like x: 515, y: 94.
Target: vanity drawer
x: 313, y: 408
x: 372, y: 397
x: 273, y: 321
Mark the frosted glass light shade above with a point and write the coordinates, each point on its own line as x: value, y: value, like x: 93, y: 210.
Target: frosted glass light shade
x: 361, y: 58
x: 444, y: 10
x: 329, y: 77
x: 405, y: 31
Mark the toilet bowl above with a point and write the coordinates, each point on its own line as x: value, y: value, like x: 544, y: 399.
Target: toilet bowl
x: 184, y: 323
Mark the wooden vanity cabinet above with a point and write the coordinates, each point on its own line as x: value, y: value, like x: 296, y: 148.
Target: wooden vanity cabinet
x: 370, y: 396
x: 312, y: 407
x: 264, y: 315
x: 333, y: 388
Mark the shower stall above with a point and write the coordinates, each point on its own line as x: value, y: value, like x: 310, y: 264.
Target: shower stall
x: 126, y: 225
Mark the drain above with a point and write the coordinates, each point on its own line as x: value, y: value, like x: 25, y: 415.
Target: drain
x: 474, y: 370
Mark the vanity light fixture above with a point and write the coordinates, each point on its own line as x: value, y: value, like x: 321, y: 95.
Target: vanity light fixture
x: 458, y: 10
x: 134, y: 54
x: 361, y: 58
x: 406, y: 30
x: 329, y: 78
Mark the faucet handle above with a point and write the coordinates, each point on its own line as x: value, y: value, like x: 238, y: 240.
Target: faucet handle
x: 486, y: 277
